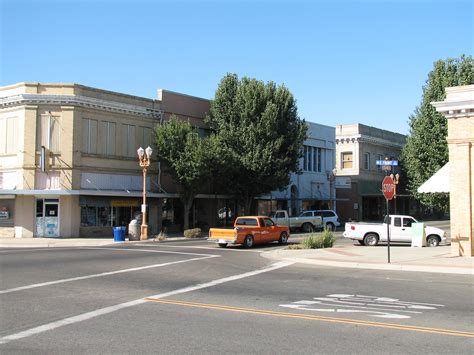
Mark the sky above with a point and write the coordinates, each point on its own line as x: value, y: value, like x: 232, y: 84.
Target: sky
x: 344, y: 61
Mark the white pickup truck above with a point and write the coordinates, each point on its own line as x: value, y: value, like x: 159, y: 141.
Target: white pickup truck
x: 307, y: 221
x: 400, y: 231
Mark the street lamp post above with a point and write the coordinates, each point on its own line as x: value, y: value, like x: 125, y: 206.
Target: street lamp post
x: 144, y: 156
x: 332, y: 191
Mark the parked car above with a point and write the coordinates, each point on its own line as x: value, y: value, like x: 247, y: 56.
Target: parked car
x: 330, y: 219
x: 400, y: 231
x: 250, y: 230
x: 224, y: 212
x: 307, y: 221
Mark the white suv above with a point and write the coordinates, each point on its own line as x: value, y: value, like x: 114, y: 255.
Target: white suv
x: 330, y: 219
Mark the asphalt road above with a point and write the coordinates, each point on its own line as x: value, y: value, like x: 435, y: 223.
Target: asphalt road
x: 193, y: 297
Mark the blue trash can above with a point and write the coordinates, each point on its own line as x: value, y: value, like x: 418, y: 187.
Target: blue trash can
x: 119, y: 234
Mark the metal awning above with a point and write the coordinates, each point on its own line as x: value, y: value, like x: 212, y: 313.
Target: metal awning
x: 112, y: 193
x: 117, y: 193
x: 439, y: 182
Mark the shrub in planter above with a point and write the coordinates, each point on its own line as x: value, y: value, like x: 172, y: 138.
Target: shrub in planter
x: 193, y: 233
x: 314, y: 241
x: 328, y: 238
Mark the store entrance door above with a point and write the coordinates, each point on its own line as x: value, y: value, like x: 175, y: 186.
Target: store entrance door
x: 47, y: 218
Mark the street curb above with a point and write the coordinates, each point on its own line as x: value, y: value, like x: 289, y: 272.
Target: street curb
x: 56, y: 245
x: 64, y: 243
x: 370, y: 266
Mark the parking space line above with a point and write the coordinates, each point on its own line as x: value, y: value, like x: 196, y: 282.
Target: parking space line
x: 315, y: 318
x: 110, y: 309
x: 49, y: 283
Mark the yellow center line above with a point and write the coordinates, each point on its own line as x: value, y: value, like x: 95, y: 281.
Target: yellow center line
x: 314, y: 318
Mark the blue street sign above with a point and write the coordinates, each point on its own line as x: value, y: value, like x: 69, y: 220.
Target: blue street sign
x: 387, y: 162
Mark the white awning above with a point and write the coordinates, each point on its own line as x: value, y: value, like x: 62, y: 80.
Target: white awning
x: 439, y: 182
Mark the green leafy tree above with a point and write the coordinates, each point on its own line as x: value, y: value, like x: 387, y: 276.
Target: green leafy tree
x: 260, y: 133
x: 188, y: 158
x: 426, y: 150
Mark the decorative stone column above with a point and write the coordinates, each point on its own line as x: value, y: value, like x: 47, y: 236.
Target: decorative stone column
x: 458, y: 108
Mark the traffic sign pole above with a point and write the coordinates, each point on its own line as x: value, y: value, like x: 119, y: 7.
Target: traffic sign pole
x: 388, y: 234
x: 388, y: 190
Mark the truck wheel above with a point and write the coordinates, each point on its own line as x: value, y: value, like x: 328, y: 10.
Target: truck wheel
x: 222, y: 245
x: 432, y: 241
x: 283, y: 238
x: 248, y: 241
x: 307, y: 227
x: 371, y: 239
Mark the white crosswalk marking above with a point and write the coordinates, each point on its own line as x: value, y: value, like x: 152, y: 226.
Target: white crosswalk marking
x: 381, y: 307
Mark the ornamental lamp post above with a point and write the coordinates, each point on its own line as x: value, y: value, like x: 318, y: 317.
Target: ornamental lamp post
x: 144, y: 157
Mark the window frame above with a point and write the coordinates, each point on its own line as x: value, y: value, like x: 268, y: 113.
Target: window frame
x: 367, y: 161
x: 344, y: 161
x: 87, y: 132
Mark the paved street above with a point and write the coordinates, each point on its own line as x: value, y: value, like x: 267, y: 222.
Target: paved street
x: 180, y: 297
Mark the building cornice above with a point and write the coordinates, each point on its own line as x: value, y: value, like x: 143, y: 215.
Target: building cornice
x: 455, y: 109
x: 361, y: 138
x: 79, y: 101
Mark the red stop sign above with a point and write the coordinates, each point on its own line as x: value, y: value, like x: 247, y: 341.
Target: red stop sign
x: 388, y: 187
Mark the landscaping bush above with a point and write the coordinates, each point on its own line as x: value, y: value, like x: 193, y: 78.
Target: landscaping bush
x: 193, y: 233
x: 328, y: 238
x: 316, y: 241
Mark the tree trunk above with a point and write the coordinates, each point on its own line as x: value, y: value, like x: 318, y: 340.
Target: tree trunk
x: 187, y: 204
x: 247, y: 204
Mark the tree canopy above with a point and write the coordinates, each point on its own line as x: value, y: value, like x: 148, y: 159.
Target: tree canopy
x: 188, y: 158
x: 426, y: 150
x: 261, y: 133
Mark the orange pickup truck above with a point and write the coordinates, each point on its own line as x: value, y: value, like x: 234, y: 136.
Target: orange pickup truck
x: 250, y: 230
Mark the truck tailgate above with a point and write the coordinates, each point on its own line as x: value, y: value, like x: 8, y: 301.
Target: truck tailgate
x: 222, y: 234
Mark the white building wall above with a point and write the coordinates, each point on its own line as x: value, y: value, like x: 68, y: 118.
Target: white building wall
x: 314, y: 185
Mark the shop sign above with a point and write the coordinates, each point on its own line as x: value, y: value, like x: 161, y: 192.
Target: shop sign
x: 4, y: 214
x: 124, y: 203
x: 343, y: 182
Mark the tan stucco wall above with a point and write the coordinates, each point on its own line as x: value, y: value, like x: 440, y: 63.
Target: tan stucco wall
x: 69, y: 212
x: 24, y: 216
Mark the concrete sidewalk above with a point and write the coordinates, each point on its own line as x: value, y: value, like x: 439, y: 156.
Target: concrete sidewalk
x: 55, y: 242
x: 402, y: 258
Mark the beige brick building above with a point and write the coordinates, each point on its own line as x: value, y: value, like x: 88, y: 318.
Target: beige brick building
x: 458, y: 107
x: 90, y: 180
x: 358, y: 178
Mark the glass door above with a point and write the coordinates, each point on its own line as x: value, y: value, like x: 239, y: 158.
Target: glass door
x: 47, y: 218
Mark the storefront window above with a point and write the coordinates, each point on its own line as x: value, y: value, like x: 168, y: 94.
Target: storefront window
x: 103, y: 216
x: 7, y: 208
x: 39, y: 208
x: 88, y: 216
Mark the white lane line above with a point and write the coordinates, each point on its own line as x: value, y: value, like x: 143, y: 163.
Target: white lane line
x: 147, y: 251
x: 106, y: 310
x: 21, y: 288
